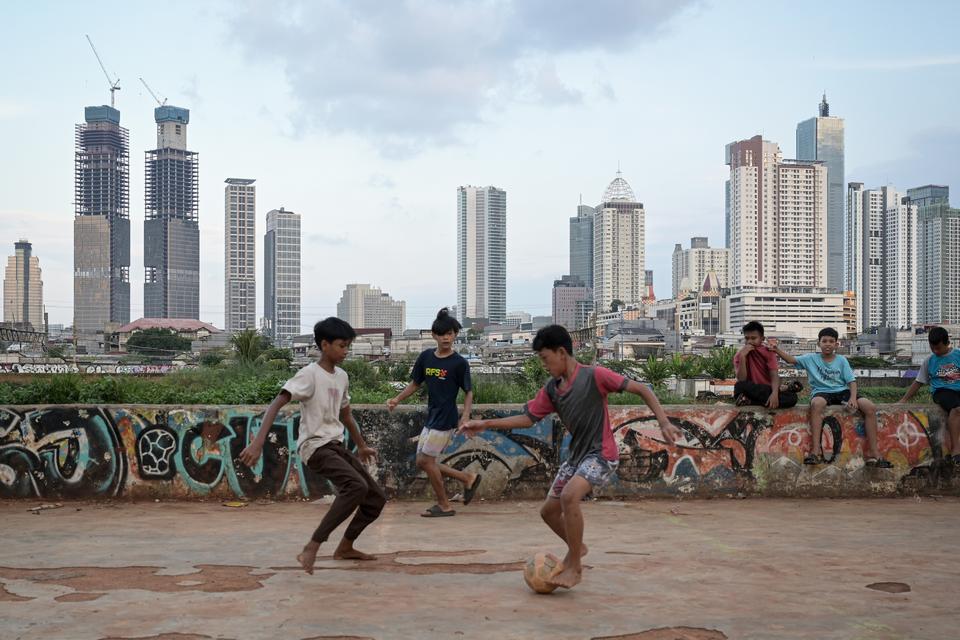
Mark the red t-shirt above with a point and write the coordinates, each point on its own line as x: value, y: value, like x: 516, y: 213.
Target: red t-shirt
x: 760, y: 362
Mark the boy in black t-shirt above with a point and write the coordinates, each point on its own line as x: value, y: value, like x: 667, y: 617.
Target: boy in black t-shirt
x: 445, y: 372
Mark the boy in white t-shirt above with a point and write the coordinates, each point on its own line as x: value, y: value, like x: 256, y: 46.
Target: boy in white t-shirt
x: 322, y: 390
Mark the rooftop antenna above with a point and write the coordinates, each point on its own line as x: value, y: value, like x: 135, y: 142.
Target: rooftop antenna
x: 159, y: 102
x: 114, y: 84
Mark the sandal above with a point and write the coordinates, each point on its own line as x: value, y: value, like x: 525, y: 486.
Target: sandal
x: 469, y: 492
x: 436, y: 512
x: 796, y: 386
x: 814, y: 458
x: 878, y: 463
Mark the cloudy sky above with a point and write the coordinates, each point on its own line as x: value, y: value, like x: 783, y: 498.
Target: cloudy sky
x: 365, y: 117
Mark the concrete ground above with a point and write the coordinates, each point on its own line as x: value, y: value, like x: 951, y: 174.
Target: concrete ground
x: 658, y: 570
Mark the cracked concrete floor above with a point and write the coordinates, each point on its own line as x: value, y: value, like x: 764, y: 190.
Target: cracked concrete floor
x: 657, y: 570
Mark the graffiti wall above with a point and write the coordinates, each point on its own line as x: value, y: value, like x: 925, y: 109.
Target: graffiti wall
x: 164, y: 452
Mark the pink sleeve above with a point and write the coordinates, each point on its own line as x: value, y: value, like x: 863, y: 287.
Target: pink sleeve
x: 540, y: 406
x: 608, y: 381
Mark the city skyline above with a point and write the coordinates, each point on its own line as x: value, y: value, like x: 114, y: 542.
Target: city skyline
x: 667, y: 144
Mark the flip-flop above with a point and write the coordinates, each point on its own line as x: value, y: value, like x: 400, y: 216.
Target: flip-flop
x: 878, y: 463
x: 814, y: 458
x: 471, y: 490
x: 436, y: 512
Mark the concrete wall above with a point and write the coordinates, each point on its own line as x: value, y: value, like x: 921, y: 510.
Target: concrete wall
x: 164, y: 452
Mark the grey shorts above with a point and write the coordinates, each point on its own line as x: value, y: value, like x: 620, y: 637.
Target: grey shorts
x: 594, y: 468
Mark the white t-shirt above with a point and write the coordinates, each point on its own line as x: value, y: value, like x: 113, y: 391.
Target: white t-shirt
x: 321, y: 396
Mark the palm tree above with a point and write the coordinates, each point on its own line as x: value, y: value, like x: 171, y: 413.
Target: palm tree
x: 719, y: 364
x: 655, y: 371
x: 247, y: 345
x: 685, y: 368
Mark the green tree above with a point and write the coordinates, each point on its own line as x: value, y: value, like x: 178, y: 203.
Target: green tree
x: 212, y: 358
x: 157, y: 342
x: 55, y: 351
x: 271, y: 354
x: 719, y: 363
x: 616, y: 304
x: 867, y: 362
x: 655, y: 371
x: 248, y: 345
x: 685, y: 368
x: 534, y: 372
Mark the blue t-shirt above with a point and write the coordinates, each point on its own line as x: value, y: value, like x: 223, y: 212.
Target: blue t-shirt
x: 826, y: 377
x: 444, y: 377
x: 941, y: 372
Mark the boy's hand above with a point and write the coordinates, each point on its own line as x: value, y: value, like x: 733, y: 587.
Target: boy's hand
x: 670, y: 432
x: 251, y: 454
x: 366, y: 454
x: 772, y: 343
x: 392, y: 404
x: 773, y: 401
x: 471, y: 428
x: 852, y: 403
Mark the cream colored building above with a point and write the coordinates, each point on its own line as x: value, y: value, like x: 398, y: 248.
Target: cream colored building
x: 619, y: 247
x: 366, y: 307
x: 23, y: 288
x: 691, y: 266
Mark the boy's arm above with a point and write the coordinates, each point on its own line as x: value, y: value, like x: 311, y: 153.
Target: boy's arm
x: 786, y: 357
x: 852, y: 385
x: 467, y: 407
x: 774, y: 400
x: 408, y: 391
x: 473, y: 427
x: 911, y: 391
x: 742, y: 362
x: 364, y: 452
x: 251, y: 452
x: 669, y: 431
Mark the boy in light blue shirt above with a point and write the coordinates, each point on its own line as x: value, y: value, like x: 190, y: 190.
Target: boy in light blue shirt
x: 832, y: 383
x: 941, y: 370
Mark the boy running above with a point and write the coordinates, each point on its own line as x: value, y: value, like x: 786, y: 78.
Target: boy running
x: 322, y: 390
x: 578, y: 394
x: 941, y: 370
x: 445, y: 372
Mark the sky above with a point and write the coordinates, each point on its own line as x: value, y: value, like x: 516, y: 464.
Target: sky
x: 365, y: 117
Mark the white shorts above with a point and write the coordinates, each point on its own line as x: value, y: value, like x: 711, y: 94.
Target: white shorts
x: 433, y: 441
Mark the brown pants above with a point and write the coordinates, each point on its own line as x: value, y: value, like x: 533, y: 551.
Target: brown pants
x: 356, y: 490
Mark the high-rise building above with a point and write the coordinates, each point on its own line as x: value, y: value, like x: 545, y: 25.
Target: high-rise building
x: 171, y: 231
x: 821, y: 138
x: 691, y: 266
x: 619, y: 248
x: 778, y: 217
x: 481, y: 254
x: 240, y: 255
x: 938, y: 255
x: 649, y: 295
x: 366, y: 307
x: 581, y: 244
x: 23, y: 288
x: 281, y: 276
x: 101, y: 226
x: 881, y: 255
x: 572, y: 302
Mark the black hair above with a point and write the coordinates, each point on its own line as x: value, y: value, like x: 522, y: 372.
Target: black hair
x: 333, y: 329
x: 445, y: 323
x: 753, y: 325
x: 938, y: 335
x: 828, y: 331
x: 553, y: 337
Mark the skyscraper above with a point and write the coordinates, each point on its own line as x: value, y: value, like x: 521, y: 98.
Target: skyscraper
x: 691, y: 266
x: 101, y: 226
x: 281, y: 276
x: 572, y: 302
x: 821, y: 138
x: 481, y: 254
x: 938, y: 254
x: 581, y: 244
x: 778, y: 216
x: 619, y: 249
x: 900, y: 263
x: 240, y: 255
x: 23, y: 288
x: 171, y: 232
x: 366, y: 307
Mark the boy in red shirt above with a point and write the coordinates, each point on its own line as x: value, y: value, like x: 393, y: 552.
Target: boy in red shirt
x: 758, y: 380
x: 578, y: 394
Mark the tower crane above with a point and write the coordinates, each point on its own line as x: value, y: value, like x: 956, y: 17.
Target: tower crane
x: 114, y: 84
x: 159, y: 102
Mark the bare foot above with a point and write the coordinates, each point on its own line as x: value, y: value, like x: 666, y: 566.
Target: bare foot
x: 345, y: 551
x: 567, y: 578
x: 308, y: 556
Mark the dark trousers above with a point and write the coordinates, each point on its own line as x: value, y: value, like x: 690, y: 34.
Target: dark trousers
x: 356, y: 490
x: 760, y: 393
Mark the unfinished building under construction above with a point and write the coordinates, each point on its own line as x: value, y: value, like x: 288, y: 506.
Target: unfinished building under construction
x: 101, y: 227
x: 171, y: 231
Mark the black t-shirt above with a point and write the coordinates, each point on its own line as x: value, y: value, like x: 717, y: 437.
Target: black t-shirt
x: 444, y: 377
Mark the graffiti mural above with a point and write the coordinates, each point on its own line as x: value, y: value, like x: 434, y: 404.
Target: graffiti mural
x: 140, y: 451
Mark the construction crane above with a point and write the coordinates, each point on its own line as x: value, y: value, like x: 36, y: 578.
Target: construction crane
x: 114, y: 84
x: 159, y: 102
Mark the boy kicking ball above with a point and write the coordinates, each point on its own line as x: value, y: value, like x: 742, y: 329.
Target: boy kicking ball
x: 578, y: 394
